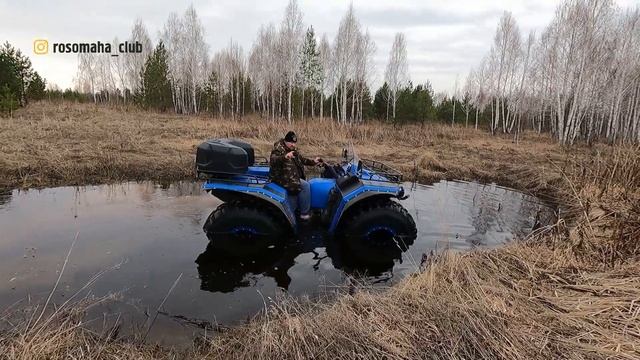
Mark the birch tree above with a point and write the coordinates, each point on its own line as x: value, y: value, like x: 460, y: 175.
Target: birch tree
x: 504, y: 54
x: 118, y: 68
x: 184, y: 41
x: 326, y: 76
x: 86, y: 77
x: 290, y: 42
x: 366, y: 49
x: 397, y: 72
x: 345, y: 48
x: 134, y: 63
x: 580, y: 79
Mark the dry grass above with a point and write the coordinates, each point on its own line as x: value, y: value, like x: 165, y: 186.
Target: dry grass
x: 62, y: 334
x: 73, y: 144
x: 571, y: 291
x: 515, y: 303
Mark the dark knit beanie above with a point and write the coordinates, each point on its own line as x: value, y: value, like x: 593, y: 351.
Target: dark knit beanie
x: 291, y: 137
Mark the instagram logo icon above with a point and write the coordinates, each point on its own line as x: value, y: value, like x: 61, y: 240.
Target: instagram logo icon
x: 40, y: 46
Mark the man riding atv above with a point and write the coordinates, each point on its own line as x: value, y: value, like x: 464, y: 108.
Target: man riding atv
x: 357, y: 199
x: 287, y: 170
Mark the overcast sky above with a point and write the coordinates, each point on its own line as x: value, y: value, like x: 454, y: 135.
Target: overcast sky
x: 445, y: 38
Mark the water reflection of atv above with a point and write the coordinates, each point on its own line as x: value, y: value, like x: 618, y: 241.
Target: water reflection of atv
x: 356, y: 202
x: 224, y: 269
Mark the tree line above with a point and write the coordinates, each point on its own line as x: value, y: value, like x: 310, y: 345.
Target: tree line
x: 289, y: 72
x: 21, y: 84
x: 579, y: 79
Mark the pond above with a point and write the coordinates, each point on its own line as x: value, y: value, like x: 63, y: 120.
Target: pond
x: 140, y: 237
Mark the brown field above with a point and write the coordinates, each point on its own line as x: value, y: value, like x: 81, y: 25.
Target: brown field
x: 572, y: 291
x: 75, y: 144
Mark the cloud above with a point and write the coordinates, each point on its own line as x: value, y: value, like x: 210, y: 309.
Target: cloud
x: 403, y: 18
x: 445, y: 38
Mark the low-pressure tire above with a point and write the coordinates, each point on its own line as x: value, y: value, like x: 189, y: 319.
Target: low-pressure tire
x: 378, y: 231
x: 244, y: 229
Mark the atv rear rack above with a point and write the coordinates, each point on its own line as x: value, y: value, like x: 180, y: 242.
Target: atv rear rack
x: 378, y: 171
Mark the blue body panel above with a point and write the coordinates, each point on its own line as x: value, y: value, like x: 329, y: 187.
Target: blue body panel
x: 256, y: 183
x: 273, y: 187
x: 262, y: 171
x: 365, y: 191
x: 320, y: 189
x: 263, y: 189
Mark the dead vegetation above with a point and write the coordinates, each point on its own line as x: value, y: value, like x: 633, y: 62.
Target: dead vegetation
x: 570, y: 291
x: 49, y: 144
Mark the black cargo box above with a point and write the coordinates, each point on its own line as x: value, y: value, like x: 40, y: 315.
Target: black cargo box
x: 224, y: 156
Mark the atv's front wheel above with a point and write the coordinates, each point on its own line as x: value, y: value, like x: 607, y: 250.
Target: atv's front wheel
x: 378, y: 231
x: 244, y: 230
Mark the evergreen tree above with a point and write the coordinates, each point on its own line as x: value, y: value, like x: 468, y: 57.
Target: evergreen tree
x: 248, y: 90
x: 8, y: 73
x: 445, y: 111
x: 310, y: 67
x: 380, y: 102
x: 36, y: 88
x: 212, y: 93
x: 368, y: 111
x: 10, y: 83
x: 412, y: 104
x: 156, y: 88
x: 423, y: 103
x: 18, y: 81
x: 405, y: 105
x: 15, y: 72
x: 8, y: 102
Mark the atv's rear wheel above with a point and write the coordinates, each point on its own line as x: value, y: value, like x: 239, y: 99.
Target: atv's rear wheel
x: 243, y: 229
x: 378, y: 231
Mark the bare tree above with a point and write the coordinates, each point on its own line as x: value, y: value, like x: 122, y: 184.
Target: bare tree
x: 291, y: 39
x: 105, y: 78
x: 86, y: 77
x: 267, y: 71
x: 580, y: 79
x: 366, y: 49
x: 454, y: 99
x: 397, y: 73
x: 134, y: 62
x: 118, y: 68
x: 184, y: 40
x: 504, y: 56
x: 467, y: 97
x: 345, y: 48
x: 326, y: 77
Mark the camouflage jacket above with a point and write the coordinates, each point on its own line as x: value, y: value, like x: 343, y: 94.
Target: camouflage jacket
x: 287, y: 172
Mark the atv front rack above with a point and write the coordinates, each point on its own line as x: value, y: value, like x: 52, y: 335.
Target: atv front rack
x: 378, y: 171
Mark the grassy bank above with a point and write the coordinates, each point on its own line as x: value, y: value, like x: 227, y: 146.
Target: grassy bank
x: 74, y: 144
x: 571, y: 291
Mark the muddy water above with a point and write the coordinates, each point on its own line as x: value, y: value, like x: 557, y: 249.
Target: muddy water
x: 145, y: 235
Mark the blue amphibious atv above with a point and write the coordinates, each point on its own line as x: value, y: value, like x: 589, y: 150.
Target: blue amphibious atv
x: 357, y: 202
